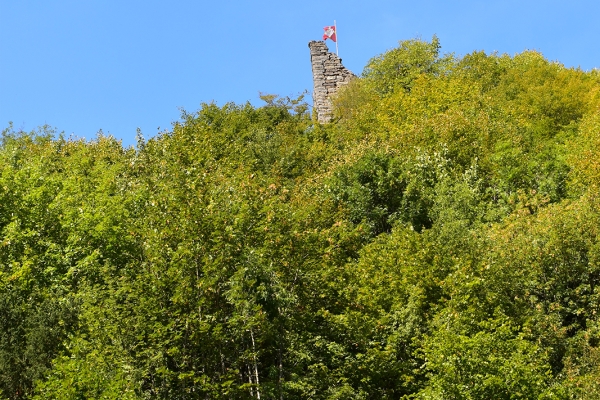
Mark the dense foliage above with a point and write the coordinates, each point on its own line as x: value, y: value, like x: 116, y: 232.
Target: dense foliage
x: 438, y: 240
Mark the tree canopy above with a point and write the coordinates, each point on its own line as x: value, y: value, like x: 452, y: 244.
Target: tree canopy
x: 438, y: 240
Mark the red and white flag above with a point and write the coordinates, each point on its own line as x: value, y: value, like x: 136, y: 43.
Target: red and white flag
x: 329, y: 33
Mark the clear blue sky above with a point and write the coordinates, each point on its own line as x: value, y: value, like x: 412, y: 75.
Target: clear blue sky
x: 85, y: 65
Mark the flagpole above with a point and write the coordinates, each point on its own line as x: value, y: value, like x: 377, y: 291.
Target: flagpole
x: 336, y: 39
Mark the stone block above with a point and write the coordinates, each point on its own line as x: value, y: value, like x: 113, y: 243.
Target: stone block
x: 328, y: 76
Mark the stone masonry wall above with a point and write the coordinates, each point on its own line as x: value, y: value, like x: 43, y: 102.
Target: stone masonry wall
x: 328, y: 76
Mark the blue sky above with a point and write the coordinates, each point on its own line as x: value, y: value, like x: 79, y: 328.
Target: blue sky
x: 81, y: 66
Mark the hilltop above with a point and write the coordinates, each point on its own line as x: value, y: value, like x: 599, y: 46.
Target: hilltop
x: 439, y: 239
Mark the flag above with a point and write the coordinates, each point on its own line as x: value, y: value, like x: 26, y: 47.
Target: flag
x: 329, y: 33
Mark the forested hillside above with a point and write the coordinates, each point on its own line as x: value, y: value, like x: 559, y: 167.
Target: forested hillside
x: 438, y: 240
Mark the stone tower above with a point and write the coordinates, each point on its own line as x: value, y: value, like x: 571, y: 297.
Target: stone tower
x: 328, y: 76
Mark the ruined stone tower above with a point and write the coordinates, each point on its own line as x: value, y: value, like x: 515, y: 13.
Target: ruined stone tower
x: 328, y: 76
